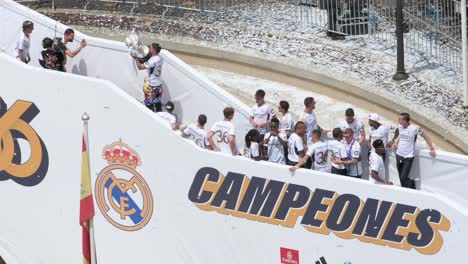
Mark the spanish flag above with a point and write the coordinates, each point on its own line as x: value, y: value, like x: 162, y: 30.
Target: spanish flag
x: 87, y: 209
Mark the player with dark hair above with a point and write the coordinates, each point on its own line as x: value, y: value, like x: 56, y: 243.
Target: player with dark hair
x: 254, y: 147
x: 275, y: 142
x: 261, y: 113
x: 287, y: 121
x: 153, y: 67
x: 296, y: 146
x: 169, y: 116
x: 405, y: 145
x: 352, y: 161
x: 376, y: 163
x: 225, y: 134
x: 197, y: 133
x: 318, y: 151
x: 357, y: 126
x: 338, y: 151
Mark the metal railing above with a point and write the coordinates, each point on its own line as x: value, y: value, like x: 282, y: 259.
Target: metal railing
x: 435, y: 31
x: 433, y: 27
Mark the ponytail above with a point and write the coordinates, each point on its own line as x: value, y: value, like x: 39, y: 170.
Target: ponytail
x: 247, y: 140
x: 250, y: 135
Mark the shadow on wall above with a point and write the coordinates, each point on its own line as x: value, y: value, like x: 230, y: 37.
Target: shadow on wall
x: 80, y: 69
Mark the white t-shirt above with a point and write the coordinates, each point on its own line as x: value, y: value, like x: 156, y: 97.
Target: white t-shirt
x: 222, y: 131
x: 275, y: 148
x: 338, y: 151
x: 153, y: 68
x: 376, y: 163
x: 295, y: 144
x: 261, y: 114
x: 408, y: 140
x: 170, y: 118
x: 254, y: 150
x: 286, y: 122
x: 310, y: 122
x: 319, y: 151
x: 198, y: 135
x: 23, y: 44
x: 380, y: 133
x: 353, y: 151
x: 356, y: 126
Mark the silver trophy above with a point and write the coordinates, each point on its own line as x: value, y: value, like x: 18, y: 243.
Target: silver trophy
x: 137, y: 49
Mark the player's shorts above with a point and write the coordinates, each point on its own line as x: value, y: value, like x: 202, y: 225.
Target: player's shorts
x: 338, y: 171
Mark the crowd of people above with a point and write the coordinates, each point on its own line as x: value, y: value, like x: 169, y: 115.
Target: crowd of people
x: 303, y: 143
x: 298, y: 143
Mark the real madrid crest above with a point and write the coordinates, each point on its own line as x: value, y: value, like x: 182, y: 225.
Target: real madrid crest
x: 122, y: 194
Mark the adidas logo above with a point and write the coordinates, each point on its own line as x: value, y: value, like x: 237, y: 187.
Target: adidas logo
x: 321, y: 261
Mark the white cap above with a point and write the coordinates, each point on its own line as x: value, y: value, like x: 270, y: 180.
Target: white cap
x: 343, y: 126
x: 375, y: 117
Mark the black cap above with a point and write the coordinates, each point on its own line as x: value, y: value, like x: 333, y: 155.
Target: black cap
x: 47, y: 43
x: 28, y: 24
x: 169, y: 105
x: 377, y: 143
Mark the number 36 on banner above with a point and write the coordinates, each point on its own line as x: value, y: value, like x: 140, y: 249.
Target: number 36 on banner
x: 14, y: 125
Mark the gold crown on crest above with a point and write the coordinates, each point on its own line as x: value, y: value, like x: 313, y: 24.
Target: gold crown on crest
x: 119, y: 152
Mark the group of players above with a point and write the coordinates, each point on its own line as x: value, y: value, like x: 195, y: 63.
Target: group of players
x: 302, y: 143
x: 299, y: 143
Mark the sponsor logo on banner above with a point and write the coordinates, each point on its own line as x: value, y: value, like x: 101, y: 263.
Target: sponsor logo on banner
x: 14, y: 125
x: 122, y: 194
x: 289, y: 256
x: 380, y: 222
x: 321, y: 261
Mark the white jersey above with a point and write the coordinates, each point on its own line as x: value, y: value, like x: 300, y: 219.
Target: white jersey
x: 338, y: 151
x: 198, y: 135
x: 23, y: 44
x: 356, y: 126
x: 310, y: 122
x: 170, y: 118
x: 153, y: 69
x: 318, y: 152
x: 287, y: 122
x: 407, y: 142
x: 380, y: 133
x: 353, y: 151
x: 376, y: 163
x: 222, y: 131
x: 262, y: 114
x: 275, y: 148
x: 254, y: 150
x: 295, y: 144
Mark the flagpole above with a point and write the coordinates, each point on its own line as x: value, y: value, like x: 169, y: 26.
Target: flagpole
x: 85, y: 117
x: 93, y: 245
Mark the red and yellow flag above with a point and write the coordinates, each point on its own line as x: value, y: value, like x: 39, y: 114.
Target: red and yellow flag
x: 87, y: 209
